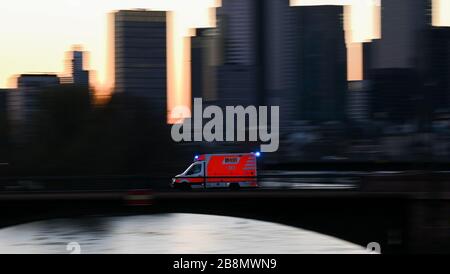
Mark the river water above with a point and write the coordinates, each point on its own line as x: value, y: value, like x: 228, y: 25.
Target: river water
x: 167, y: 234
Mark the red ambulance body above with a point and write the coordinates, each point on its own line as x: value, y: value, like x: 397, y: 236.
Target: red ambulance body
x: 236, y: 170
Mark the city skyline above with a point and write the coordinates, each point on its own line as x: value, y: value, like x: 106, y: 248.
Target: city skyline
x: 92, y: 33
x: 33, y: 44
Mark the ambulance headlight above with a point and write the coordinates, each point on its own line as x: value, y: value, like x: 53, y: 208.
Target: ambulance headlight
x: 257, y: 154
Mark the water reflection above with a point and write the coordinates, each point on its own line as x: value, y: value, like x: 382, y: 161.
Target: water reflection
x: 167, y: 233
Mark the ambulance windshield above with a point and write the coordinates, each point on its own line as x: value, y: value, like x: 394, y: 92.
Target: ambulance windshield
x: 195, y: 168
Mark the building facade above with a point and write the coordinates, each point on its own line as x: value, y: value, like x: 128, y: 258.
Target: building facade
x: 241, y: 76
x: 80, y: 75
x: 140, y: 55
x: 24, y: 102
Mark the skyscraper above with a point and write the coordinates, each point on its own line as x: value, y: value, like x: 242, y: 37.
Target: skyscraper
x: 239, y: 17
x: 206, y: 56
x: 306, y: 61
x: 80, y: 76
x: 241, y: 76
x: 403, y: 25
x: 438, y: 77
x: 321, y: 56
x: 140, y: 55
x: 24, y: 102
x: 4, y: 125
x: 281, y: 65
x: 36, y: 82
x: 397, y: 62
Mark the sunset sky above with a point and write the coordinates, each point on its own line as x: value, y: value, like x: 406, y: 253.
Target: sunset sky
x: 36, y: 34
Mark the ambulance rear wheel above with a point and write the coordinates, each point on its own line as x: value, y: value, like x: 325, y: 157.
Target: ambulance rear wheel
x: 235, y: 186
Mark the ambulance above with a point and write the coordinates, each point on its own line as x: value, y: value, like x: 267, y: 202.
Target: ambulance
x: 234, y: 171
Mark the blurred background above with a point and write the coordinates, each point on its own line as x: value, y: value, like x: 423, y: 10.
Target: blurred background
x: 357, y: 82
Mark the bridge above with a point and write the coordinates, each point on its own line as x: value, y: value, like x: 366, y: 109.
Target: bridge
x: 404, y: 213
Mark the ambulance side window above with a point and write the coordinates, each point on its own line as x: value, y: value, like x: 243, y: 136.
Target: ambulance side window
x: 195, y: 169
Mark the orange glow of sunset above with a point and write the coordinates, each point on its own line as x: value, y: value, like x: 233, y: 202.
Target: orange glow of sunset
x: 37, y: 34
x: 441, y: 13
x: 355, y: 62
x: 181, y: 25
